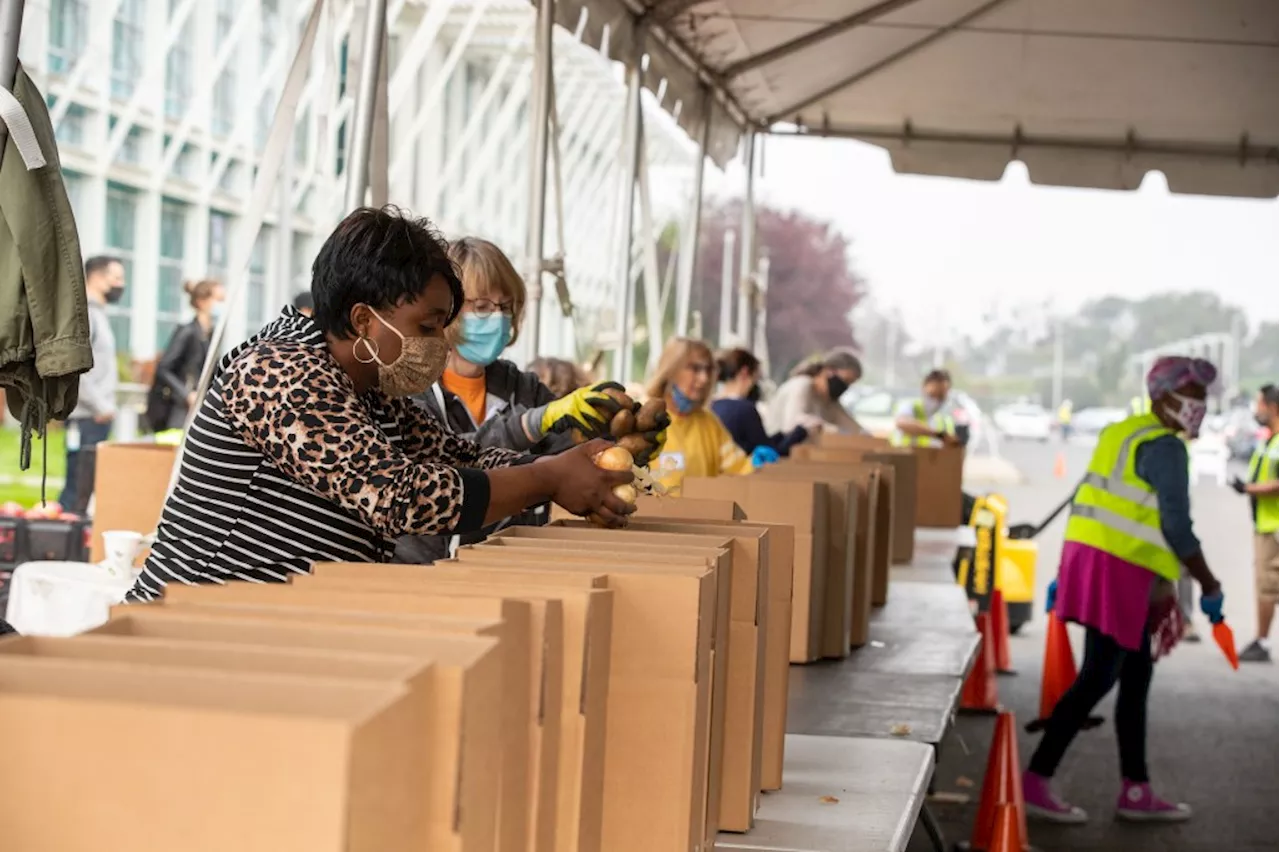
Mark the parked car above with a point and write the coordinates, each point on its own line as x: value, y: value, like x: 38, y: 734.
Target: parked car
x: 877, y: 410
x: 1024, y: 420
x: 1088, y: 422
x: 1241, y: 433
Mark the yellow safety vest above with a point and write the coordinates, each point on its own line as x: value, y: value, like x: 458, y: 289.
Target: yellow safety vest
x: 1262, y: 469
x: 1140, y: 405
x: 1114, y: 509
x: 940, y: 421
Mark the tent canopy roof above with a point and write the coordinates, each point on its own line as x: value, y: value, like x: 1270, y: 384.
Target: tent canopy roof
x: 1088, y: 93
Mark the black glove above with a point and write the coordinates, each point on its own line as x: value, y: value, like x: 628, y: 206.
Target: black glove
x: 1237, y: 485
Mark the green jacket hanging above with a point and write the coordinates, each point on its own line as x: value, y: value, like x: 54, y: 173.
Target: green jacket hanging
x: 44, y: 319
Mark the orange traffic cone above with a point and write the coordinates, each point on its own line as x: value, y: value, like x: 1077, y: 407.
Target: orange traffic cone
x: 1058, y: 674
x: 1060, y: 465
x: 1001, y: 790
x: 1000, y: 627
x: 979, y: 693
x: 1007, y: 836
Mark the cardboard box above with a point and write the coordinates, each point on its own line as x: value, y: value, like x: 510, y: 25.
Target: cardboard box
x: 802, y: 506
x: 152, y: 760
x: 939, y: 498
x: 665, y: 553
x: 545, y: 646
x: 129, y: 485
x: 750, y: 618
x: 588, y: 616
x: 662, y: 676
x: 777, y: 636
x: 847, y: 606
x: 905, y: 487
x: 875, y: 520
x: 516, y: 617
x: 688, y: 508
x: 467, y: 697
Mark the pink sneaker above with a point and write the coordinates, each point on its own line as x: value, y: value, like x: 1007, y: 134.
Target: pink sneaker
x: 1042, y: 802
x: 1139, y: 804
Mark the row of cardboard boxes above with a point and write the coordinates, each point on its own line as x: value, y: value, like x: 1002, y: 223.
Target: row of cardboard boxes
x: 555, y: 689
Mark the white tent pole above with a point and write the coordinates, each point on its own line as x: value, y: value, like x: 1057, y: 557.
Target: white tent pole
x: 747, y: 265
x: 10, y: 35
x: 375, y: 29
x: 726, y: 291
x: 761, y: 345
x: 689, y: 251
x: 653, y: 304
x: 535, y: 252
x: 626, y: 217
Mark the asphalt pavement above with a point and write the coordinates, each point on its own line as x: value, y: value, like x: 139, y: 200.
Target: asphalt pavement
x: 1213, y: 734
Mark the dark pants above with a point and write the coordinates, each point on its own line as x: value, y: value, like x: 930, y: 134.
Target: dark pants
x: 1105, y: 663
x: 92, y: 433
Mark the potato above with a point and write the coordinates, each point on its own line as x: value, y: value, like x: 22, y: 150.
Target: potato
x: 624, y: 401
x: 625, y: 493
x: 623, y: 424
x: 647, y: 419
x: 634, y: 443
x: 614, y: 458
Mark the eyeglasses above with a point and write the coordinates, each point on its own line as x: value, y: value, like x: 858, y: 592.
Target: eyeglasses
x: 700, y: 369
x: 486, y: 307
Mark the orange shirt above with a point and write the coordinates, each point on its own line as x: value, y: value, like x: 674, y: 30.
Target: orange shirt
x: 471, y: 391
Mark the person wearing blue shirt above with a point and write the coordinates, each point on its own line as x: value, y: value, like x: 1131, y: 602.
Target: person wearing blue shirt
x: 738, y: 409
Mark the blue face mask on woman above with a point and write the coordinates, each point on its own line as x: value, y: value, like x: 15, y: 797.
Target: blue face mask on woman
x: 484, y: 337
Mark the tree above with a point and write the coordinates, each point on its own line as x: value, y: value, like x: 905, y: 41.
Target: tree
x: 813, y: 288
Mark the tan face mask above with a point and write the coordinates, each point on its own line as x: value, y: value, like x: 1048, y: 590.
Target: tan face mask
x: 420, y: 365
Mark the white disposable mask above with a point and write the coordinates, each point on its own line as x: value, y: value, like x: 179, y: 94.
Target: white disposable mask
x: 1190, y: 414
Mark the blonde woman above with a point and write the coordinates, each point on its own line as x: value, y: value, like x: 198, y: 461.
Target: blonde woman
x: 697, y: 443
x: 490, y: 400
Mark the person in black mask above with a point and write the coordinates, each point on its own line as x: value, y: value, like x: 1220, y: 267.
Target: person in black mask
x: 812, y: 395
x: 738, y: 407
x: 95, y: 411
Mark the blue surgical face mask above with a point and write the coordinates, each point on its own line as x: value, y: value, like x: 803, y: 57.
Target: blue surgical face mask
x: 683, y: 404
x: 484, y: 338
x: 216, y: 311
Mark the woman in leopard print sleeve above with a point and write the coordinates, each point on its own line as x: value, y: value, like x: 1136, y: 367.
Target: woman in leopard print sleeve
x: 306, y: 447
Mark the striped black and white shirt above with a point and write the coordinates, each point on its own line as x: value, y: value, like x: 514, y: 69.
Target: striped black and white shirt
x: 285, y: 465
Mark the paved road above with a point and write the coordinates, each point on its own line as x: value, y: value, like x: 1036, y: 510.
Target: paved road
x: 1214, y: 739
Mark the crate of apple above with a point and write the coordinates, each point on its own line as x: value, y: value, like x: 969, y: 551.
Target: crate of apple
x: 39, y: 512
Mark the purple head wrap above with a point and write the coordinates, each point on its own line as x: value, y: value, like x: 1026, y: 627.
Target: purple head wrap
x: 1174, y: 372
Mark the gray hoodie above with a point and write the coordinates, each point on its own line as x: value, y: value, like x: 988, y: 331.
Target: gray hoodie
x: 98, y: 386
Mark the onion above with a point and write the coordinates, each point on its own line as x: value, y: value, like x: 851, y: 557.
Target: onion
x: 614, y: 458
x: 625, y: 493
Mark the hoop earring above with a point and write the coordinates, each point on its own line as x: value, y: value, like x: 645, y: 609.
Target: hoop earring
x: 370, y: 345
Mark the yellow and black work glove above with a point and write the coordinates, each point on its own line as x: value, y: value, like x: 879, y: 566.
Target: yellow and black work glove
x: 588, y: 410
x: 653, y: 441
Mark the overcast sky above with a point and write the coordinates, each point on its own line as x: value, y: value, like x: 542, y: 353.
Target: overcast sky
x: 943, y: 251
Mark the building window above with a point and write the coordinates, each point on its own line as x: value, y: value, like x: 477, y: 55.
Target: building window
x: 131, y: 147
x: 268, y: 30
x: 73, y: 182
x: 70, y: 130
x: 255, y: 309
x: 224, y: 91
x: 177, y: 71
x: 122, y: 217
x: 128, y: 33
x: 169, y: 296
x: 302, y: 139
x: 68, y: 33
x: 266, y: 113
x: 219, y: 243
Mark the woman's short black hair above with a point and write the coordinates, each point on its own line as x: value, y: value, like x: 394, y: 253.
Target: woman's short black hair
x: 381, y: 258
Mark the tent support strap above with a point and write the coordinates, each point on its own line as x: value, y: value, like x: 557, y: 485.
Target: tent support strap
x: 375, y: 29
x: 543, y: 92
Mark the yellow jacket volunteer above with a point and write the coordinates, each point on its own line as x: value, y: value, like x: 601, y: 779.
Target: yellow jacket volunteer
x: 1115, y: 510
x: 697, y: 443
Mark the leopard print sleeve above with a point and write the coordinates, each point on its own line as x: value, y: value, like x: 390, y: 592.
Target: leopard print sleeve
x: 293, y: 404
x: 422, y: 435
